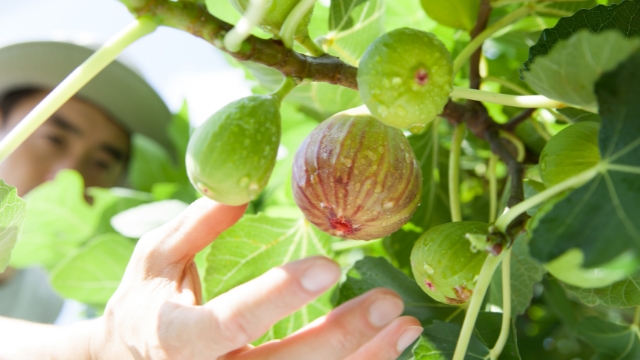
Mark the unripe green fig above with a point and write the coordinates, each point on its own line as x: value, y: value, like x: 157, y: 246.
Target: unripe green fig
x: 571, y: 151
x: 405, y: 77
x: 459, y: 14
x: 356, y: 178
x: 231, y: 155
x: 276, y: 14
x: 568, y: 269
x: 443, y: 262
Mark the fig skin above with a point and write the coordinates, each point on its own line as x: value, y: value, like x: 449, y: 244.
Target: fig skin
x: 356, y: 178
x: 570, y: 152
x: 276, y: 15
x: 444, y: 265
x: 405, y: 77
x: 231, y: 155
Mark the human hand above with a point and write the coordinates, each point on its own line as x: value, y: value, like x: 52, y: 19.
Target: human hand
x: 156, y: 311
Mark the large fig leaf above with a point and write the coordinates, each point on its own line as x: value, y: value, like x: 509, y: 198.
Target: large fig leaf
x: 256, y: 244
x: 434, y: 206
x: 623, y: 16
x: 525, y: 272
x: 370, y: 272
x: 92, y: 274
x: 622, y: 294
x: 353, y: 25
x: 612, y: 341
x: 12, y: 214
x: 602, y: 216
x: 439, y: 340
x: 568, y: 72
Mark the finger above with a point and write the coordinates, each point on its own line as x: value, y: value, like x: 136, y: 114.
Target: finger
x: 180, y: 239
x: 246, y: 312
x: 340, y: 334
x: 389, y: 343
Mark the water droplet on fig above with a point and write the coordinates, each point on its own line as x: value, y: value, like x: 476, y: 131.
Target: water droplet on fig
x: 388, y: 205
x: 428, y: 269
x: 400, y: 110
x: 417, y: 128
x: 254, y: 190
x: 396, y: 81
x: 371, y: 155
x: 346, y: 162
x: 244, y: 181
x: 382, y: 110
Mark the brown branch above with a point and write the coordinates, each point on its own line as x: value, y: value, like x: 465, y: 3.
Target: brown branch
x: 474, y: 61
x: 513, y: 123
x: 195, y: 19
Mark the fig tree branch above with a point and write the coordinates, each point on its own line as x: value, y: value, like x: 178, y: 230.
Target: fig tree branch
x: 474, y: 62
x: 195, y: 19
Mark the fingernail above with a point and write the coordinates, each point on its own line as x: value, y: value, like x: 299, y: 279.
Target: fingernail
x: 320, y: 276
x: 409, y: 335
x: 384, y: 310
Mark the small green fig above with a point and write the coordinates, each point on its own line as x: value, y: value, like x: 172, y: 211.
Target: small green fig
x: 356, y: 178
x: 276, y: 14
x: 231, y: 155
x: 459, y: 14
x: 405, y: 77
x: 444, y: 264
x: 573, y: 150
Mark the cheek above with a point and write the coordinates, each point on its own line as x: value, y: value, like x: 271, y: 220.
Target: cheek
x: 24, y: 169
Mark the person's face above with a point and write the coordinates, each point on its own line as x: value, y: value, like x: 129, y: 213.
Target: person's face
x: 78, y: 136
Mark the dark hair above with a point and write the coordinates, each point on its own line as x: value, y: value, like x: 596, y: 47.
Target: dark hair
x: 10, y: 99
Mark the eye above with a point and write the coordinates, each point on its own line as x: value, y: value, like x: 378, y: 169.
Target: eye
x: 56, y: 139
x: 102, y: 165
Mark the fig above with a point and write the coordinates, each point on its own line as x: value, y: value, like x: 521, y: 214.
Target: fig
x: 232, y: 154
x: 276, y: 14
x: 443, y: 262
x: 405, y: 77
x: 573, y: 150
x: 459, y: 14
x: 356, y: 178
x: 568, y: 269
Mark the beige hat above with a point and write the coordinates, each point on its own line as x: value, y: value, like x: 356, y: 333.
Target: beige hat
x: 117, y: 89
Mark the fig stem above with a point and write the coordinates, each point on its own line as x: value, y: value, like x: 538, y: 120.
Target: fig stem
x: 288, y: 84
x: 454, y: 172
x: 311, y: 46
x: 477, y: 42
x: 522, y: 101
x: 572, y: 182
x: 74, y: 82
x: 506, y: 83
x: 493, y: 187
x: 484, y: 279
x: 251, y: 18
x: 290, y: 25
x: 506, y: 307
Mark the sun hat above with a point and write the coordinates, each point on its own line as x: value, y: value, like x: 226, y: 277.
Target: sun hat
x: 117, y: 89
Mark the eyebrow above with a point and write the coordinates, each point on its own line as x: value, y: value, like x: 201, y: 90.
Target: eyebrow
x: 65, y: 125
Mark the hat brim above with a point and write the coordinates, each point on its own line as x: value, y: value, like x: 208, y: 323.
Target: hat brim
x: 117, y: 89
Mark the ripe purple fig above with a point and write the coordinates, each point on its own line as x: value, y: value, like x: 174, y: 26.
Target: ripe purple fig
x: 356, y: 178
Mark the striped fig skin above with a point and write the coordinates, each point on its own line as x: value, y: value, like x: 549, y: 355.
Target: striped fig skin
x: 356, y: 178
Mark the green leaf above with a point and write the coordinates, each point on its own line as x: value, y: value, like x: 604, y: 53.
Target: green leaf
x: 59, y: 220
x: 434, y: 206
x: 568, y: 72
x: 621, y: 294
x: 439, y: 340
x: 571, y: 6
x: 353, y: 25
x: 370, y: 273
x: 151, y: 164
x: 612, y: 341
x: 577, y: 115
x: 179, y: 132
x: 623, y: 16
x: 256, y: 244
x: 525, y: 272
x: 602, y: 216
x: 407, y: 13
x: 12, y: 214
x: 92, y: 274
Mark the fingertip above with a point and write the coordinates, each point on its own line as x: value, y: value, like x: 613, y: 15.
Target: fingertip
x: 320, y: 275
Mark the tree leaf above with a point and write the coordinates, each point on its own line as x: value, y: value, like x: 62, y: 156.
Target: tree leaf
x: 623, y: 16
x: 621, y: 294
x: 353, y: 25
x: 438, y: 341
x: 13, y: 211
x: 434, y: 206
x: 612, y: 341
x: 578, y: 115
x: 568, y: 72
x: 571, y: 6
x: 92, y: 274
x: 370, y: 272
x: 602, y: 216
x: 256, y: 244
x: 525, y: 272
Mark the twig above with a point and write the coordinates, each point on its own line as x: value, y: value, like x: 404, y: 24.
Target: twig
x: 474, y: 61
x: 516, y: 120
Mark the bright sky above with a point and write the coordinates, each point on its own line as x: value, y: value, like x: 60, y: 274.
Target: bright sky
x: 177, y: 64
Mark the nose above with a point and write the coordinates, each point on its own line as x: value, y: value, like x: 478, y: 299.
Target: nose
x: 69, y: 162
